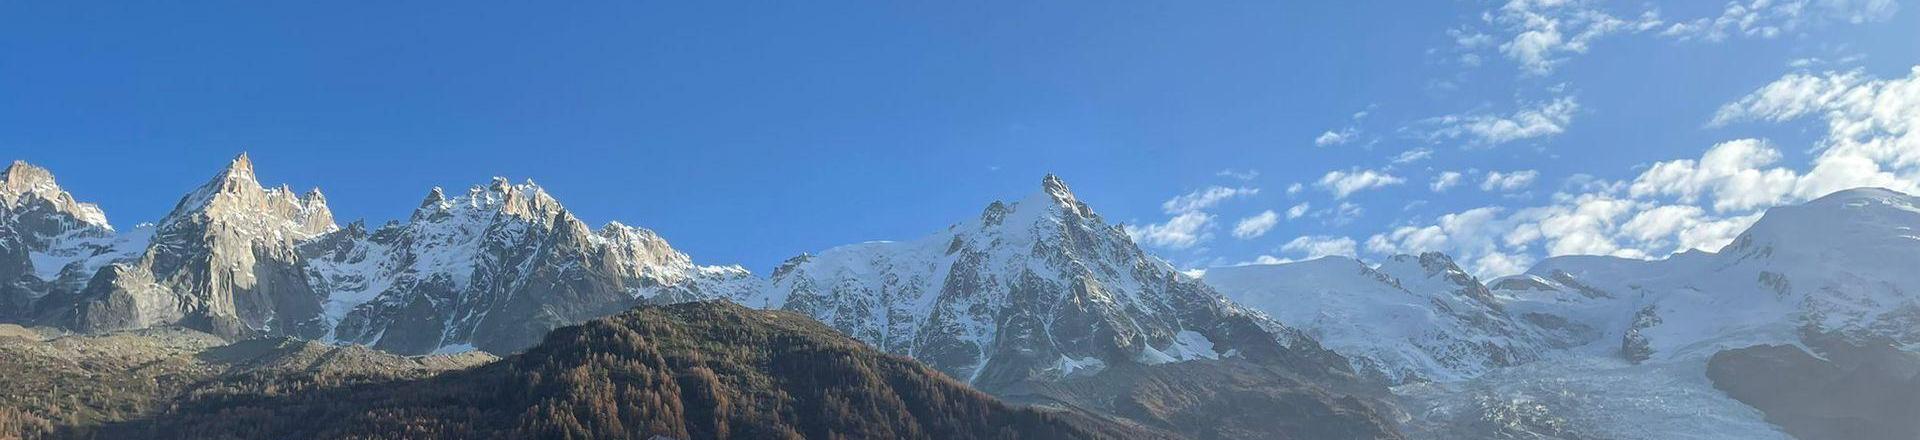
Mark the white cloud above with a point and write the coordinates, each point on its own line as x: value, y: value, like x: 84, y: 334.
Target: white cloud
x: 1539, y: 120
x: 1774, y: 18
x: 1298, y: 210
x: 1544, y: 33
x: 1190, y: 224
x: 1294, y: 189
x: 1345, y: 213
x: 1704, y: 202
x: 1870, y: 141
x: 1540, y: 35
x: 1180, y: 232
x: 1257, y: 225
x: 1500, y: 241
x: 1317, y: 246
x: 1730, y: 173
x: 1470, y: 39
x: 1472, y: 237
x: 1446, y: 179
x: 1413, y: 155
x: 1204, y: 198
x: 1345, y: 183
x: 1331, y: 138
x: 1339, y: 215
x: 1248, y: 174
x: 1266, y: 259
x: 1343, y: 135
x: 1498, y: 181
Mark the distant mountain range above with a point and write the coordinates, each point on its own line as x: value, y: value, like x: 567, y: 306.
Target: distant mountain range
x: 1040, y: 301
x: 1605, y: 347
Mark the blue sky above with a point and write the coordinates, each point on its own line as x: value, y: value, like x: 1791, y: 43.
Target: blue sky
x: 749, y: 133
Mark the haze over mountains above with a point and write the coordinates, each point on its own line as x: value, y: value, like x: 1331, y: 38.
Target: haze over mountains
x: 1040, y: 301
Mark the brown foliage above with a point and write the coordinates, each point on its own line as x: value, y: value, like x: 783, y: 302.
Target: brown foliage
x: 697, y: 370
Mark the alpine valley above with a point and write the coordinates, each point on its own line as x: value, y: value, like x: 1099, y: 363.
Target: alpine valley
x: 248, y: 311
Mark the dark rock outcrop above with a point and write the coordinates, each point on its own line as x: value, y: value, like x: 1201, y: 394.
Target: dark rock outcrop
x: 1849, y: 390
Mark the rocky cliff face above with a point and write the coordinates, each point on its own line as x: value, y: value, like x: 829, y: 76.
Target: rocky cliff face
x: 1852, y: 390
x: 223, y: 261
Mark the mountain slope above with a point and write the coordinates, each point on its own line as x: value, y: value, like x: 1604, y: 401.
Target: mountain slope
x: 79, y: 381
x: 691, y: 370
x: 1414, y: 318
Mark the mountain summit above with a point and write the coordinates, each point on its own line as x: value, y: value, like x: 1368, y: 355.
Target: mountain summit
x: 1041, y: 300
x: 495, y: 269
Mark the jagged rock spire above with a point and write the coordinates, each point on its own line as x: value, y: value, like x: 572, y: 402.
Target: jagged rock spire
x: 22, y: 177
x: 21, y: 182
x: 1057, y: 190
x: 236, y: 196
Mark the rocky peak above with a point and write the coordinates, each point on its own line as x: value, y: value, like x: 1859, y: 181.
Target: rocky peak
x: 643, y: 250
x: 22, y: 184
x: 435, y: 198
x: 1438, y: 270
x: 314, y: 197
x: 790, y: 265
x: 234, y: 197
x: 1056, y: 190
x: 22, y: 178
x: 527, y: 201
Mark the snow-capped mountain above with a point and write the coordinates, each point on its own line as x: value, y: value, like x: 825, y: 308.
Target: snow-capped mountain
x: 48, y: 240
x: 1038, y: 289
x: 495, y: 268
x: 1413, y: 318
x: 1840, y: 264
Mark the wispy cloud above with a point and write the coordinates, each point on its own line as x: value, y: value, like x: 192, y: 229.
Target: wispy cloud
x: 1511, y: 181
x: 1445, y: 181
x: 1345, y: 183
x: 1204, y: 198
x: 1180, y: 232
x: 1257, y: 225
x: 1413, y: 155
x: 1190, y: 224
x: 1703, y: 202
x: 1538, y: 120
x: 1248, y: 174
